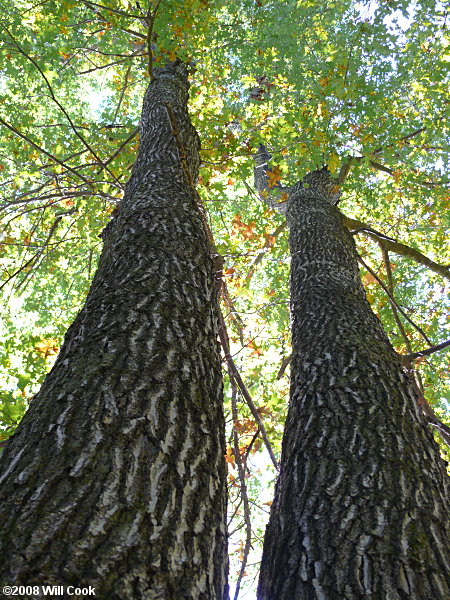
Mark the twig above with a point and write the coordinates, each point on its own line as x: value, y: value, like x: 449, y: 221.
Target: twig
x: 397, y: 247
x: 151, y: 16
x: 241, y: 473
x: 232, y: 367
x: 393, y: 302
x: 426, y: 352
x: 36, y: 147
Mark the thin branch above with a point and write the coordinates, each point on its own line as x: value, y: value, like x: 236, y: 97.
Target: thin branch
x: 232, y: 367
x: 141, y: 36
x: 91, y: 6
x: 393, y: 302
x: 122, y: 94
x: 61, y: 107
x: 241, y: 473
x: 24, y: 266
x: 233, y: 314
x: 151, y: 16
x: 99, y: 68
x: 396, y: 247
x: 402, y: 139
x: 36, y: 147
x: 441, y: 428
x: 43, y: 247
x: 387, y: 264
x: 122, y: 146
x: 284, y: 365
x: 426, y: 352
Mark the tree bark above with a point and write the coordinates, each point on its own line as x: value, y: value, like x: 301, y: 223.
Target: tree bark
x: 362, y: 501
x: 116, y: 476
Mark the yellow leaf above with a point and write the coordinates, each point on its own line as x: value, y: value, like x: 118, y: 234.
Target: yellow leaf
x: 333, y: 162
x: 47, y: 347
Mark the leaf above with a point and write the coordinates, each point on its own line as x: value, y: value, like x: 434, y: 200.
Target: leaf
x: 333, y: 162
x: 47, y: 347
x: 274, y: 176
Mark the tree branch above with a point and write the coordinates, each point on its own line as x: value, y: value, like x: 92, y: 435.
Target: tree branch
x: 426, y: 352
x: 396, y: 247
x: 232, y: 366
x: 36, y: 147
x: 61, y: 107
x: 92, y: 5
x: 393, y: 302
x: 151, y: 16
x: 241, y: 473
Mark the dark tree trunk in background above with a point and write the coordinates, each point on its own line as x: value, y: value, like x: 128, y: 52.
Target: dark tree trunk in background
x: 362, y: 504
x: 116, y: 475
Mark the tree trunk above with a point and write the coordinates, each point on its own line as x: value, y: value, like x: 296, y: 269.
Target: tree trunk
x: 362, y: 503
x: 116, y: 476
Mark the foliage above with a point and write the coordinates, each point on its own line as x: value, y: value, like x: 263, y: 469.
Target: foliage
x: 317, y: 83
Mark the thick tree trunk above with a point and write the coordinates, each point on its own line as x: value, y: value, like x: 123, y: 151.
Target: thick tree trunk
x: 116, y: 475
x: 362, y: 502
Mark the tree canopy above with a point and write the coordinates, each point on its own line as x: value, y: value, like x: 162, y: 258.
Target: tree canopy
x: 361, y: 87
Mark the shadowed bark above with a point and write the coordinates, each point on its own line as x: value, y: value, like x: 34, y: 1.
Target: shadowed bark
x: 116, y: 476
x: 362, y: 502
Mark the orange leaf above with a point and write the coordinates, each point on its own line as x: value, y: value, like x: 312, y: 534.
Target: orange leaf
x: 229, y: 457
x: 369, y: 278
x: 274, y: 176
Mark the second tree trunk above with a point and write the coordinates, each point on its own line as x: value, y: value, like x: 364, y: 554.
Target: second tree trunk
x: 362, y: 504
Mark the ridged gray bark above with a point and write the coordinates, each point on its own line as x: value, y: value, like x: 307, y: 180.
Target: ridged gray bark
x: 362, y: 501
x: 116, y: 476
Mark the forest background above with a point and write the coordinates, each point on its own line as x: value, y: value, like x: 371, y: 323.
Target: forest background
x: 359, y: 87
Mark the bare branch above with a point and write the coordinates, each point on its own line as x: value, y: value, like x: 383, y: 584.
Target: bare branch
x: 426, y: 352
x: 243, y: 485
x: 393, y: 302
x: 27, y: 139
x: 397, y: 247
x: 151, y: 16
x: 232, y: 366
